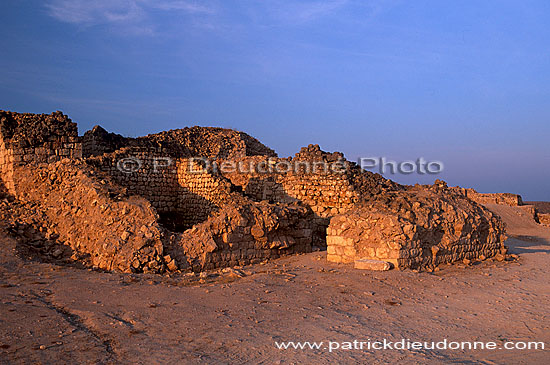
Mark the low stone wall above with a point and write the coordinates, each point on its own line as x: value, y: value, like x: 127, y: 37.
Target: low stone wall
x: 421, y: 227
x: 244, y: 232
x: 544, y: 219
x: 512, y: 200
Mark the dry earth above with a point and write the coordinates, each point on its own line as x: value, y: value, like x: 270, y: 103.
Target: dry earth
x: 55, y: 314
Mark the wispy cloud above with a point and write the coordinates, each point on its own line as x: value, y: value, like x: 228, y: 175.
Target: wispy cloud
x: 299, y: 12
x: 132, y: 14
x: 170, y: 17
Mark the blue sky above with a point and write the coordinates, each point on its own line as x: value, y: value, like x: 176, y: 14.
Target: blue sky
x: 463, y: 82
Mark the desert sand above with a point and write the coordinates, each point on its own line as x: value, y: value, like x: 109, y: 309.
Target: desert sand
x: 53, y: 313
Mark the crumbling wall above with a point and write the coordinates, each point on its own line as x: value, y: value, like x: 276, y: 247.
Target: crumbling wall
x: 32, y: 138
x: 6, y: 166
x: 201, y: 192
x: 512, y: 200
x: 93, y: 216
x: 420, y: 227
x: 143, y: 171
x: 174, y: 186
x: 326, y: 182
x: 244, y: 232
x: 544, y: 219
x: 122, y: 233
x: 160, y: 167
x: 98, y: 141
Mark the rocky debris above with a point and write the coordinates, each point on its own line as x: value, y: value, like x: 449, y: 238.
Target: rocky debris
x: 93, y: 216
x: 208, y: 142
x: 420, y: 227
x: 34, y: 238
x: 23, y: 130
x: 374, y: 265
x: 98, y: 141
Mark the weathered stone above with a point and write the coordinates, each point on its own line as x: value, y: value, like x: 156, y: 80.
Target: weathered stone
x: 369, y: 264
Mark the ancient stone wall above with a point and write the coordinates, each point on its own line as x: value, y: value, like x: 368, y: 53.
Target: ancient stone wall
x: 513, y: 200
x: 92, y: 216
x: 325, y: 182
x: 6, y: 166
x: 421, y: 227
x: 244, y: 232
x: 34, y: 138
x: 98, y: 141
x: 201, y: 192
x: 544, y: 219
x: 122, y: 233
x: 177, y: 186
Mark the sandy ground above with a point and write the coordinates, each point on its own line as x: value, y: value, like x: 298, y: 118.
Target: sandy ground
x: 55, y: 314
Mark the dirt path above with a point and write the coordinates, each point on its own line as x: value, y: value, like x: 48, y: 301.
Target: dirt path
x: 56, y: 314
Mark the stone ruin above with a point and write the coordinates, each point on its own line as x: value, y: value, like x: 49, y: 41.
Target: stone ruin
x: 201, y: 198
x: 538, y: 211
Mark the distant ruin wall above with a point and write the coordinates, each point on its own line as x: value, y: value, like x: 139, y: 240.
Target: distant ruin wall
x: 544, y: 219
x: 512, y: 200
x: 418, y: 229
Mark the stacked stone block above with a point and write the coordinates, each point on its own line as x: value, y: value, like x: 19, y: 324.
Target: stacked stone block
x: 35, y: 138
x: 421, y: 227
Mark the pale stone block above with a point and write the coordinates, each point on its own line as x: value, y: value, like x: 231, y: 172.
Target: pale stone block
x: 369, y: 264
